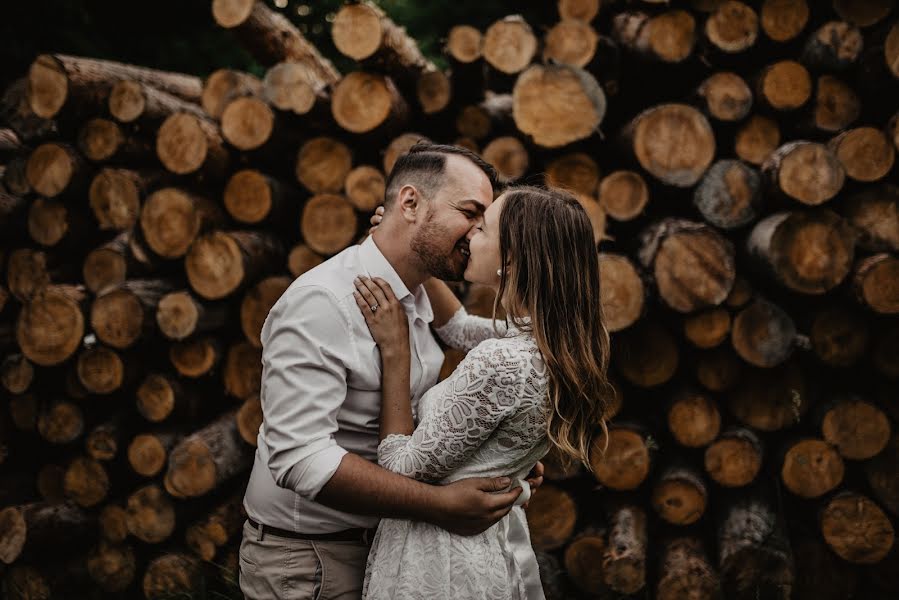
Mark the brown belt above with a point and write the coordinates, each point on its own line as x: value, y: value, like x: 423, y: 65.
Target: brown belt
x: 347, y: 535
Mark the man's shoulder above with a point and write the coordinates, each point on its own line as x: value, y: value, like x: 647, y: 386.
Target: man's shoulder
x: 331, y: 279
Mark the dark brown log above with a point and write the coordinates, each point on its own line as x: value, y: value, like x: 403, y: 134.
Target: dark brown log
x: 730, y: 194
x: 49, y: 483
x: 625, y: 463
x: 740, y: 294
x: 112, y: 566
x: 135, y: 102
x: 109, y: 265
x: 758, y: 137
x: 624, y: 564
x: 576, y: 172
x: 180, y: 315
x: 857, y: 428
x: 195, y: 357
x: 570, y: 42
x: 86, y: 482
x: 763, y: 334
x: 257, y: 303
x: 104, y: 141
x: 836, y: 106
x: 874, y: 213
x: 596, y: 215
x: 28, y: 271
x: 14, y: 176
x: 732, y: 27
x: 206, y: 536
x: 224, y: 85
x: 809, y: 252
x: 508, y: 156
x: 243, y: 370
x: 188, y: 144
x: 673, y: 142
x: 113, y: 523
x: 557, y: 104
x: 883, y: 476
x: 667, y: 37
x: 12, y: 210
x: 835, y: 46
x: 171, y: 219
x: 60, y: 422
x: 54, y: 223
x: 680, y: 496
x: 323, y: 164
x: 207, y: 458
x: 399, y: 146
x: 364, y: 187
x: 173, y: 575
x: 54, y: 169
x: 16, y: 373
x: 50, y: 326
x: 161, y: 396
x: 784, y: 85
x: 151, y: 514
x: 249, y: 419
x: 328, y: 224
x: 685, y: 572
x: 783, y: 20
x: 885, y: 350
x: 434, y: 91
x: 735, y: 458
x: 821, y: 574
x: 583, y: 561
x: 857, y: 529
x: 57, y: 80
x: 839, y: 335
x: 694, y: 419
x: 23, y: 411
x: 101, y: 370
x: 368, y: 103
x: 707, y: 328
x: 301, y: 259
x: 865, y: 153
x: 770, y: 399
x: 493, y: 115
x: 692, y: 265
x: 807, y: 172
x: 104, y: 441
x: 623, y: 195
x: 863, y: 13
x: 875, y: 283
x: 812, y: 468
x: 645, y: 354
x: 255, y: 198
x: 16, y: 113
x: 30, y: 529
x: 270, y: 37
x: 147, y: 452
x: 623, y: 294
x: 122, y: 316
x: 551, y: 516
x: 219, y: 263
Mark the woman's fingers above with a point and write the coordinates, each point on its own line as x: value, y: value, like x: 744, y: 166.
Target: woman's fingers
x: 375, y: 290
x: 363, y: 306
x: 362, y: 289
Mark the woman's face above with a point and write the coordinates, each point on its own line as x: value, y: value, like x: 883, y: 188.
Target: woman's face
x: 484, y: 247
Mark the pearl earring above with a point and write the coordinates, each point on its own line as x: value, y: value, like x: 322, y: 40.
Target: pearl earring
x: 499, y: 272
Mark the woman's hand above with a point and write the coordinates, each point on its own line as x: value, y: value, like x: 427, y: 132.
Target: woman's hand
x: 384, y: 314
x: 376, y: 219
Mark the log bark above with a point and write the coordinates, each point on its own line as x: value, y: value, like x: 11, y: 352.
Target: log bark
x: 735, y: 458
x: 328, y: 224
x: 624, y: 563
x: 666, y: 37
x: 219, y: 263
x: 730, y: 194
x: 16, y: 113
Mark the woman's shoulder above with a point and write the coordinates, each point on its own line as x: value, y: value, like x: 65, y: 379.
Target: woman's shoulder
x: 510, y: 353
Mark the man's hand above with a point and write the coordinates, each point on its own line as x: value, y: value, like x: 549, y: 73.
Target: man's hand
x: 535, y: 480
x: 470, y: 506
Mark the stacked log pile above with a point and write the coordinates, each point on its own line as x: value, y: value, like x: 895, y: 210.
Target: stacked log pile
x: 737, y: 160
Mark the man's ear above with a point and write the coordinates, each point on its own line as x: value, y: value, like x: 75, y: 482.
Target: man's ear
x: 409, y: 203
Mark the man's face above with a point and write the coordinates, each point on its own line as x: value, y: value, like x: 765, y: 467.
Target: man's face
x: 453, y: 213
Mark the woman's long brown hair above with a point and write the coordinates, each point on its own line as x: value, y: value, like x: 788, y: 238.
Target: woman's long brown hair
x: 553, y: 277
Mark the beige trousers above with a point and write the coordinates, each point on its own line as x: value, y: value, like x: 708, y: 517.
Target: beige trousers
x: 278, y: 568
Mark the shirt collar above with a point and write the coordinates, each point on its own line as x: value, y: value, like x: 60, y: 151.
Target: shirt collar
x: 376, y: 265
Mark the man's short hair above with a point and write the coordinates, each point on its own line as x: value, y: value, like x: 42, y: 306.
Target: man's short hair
x: 424, y: 166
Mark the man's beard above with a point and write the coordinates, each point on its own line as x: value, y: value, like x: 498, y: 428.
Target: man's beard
x: 433, y: 257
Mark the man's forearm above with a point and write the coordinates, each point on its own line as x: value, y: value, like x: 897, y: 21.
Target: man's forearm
x: 361, y: 487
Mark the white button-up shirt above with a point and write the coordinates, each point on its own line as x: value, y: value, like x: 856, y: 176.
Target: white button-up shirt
x: 321, y: 389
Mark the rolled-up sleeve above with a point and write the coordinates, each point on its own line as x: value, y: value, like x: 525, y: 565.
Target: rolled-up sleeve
x: 304, y: 384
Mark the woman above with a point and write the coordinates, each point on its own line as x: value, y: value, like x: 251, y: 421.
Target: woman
x: 542, y: 382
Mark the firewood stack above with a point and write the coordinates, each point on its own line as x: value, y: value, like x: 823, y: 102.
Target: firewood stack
x: 737, y: 163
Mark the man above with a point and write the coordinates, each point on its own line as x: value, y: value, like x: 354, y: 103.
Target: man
x: 316, y: 493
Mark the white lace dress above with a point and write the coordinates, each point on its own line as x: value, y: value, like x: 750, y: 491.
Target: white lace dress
x: 487, y: 419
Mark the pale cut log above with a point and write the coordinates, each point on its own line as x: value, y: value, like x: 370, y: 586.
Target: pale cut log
x: 583, y: 10
x: 570, y: 42
x: 583, y: 561
x: 784, y: 20
x: 863, y: 13
x: 680, y: 496
x: 206, y: 536
x: 207, y: 458
x: 364, y: 187
x: 857, y: 428
x: 874, y: 213
x: 323, y: 164
x: 575, y: 171
x: 104, y: 141
x: 270, y: 37
x: 160, y: 396
x: 625, y: 463
x: 101, y: 370
x: 730, y: 194
x: 509, y: 45
x: 151, y: 514
x: 732, y: 27
x: 187, y: 144
x: 256, y: 304
x: 29, y: 529
x: 113, y: 523
x: 647, y: 354
x: 508, y: 156
x: 249, y: 419
x: 328, y: 224
x: 666, y: 37
x: 835, y: 46
x: 557, y: 104
x: 875, y: 282
x: 147, y: 452
x: 171, y: 219
x: 784, y: 85
x: 551, y: 515
x: 112, y: 566
x: 141, y: 103
x: 623, y: 195
x: 368, y: 103
x: 220, y: 262
x: 763, y: 334
x: 707, y: 328
x: 180, y: 315
x: 58, y: 80
x: 812, y: 468
x: 694, y: 419
x: 758, y: 137
x: 865, y: 153
x: 624, y: 563
x: 883, y: 476
x: 673, y: 142
x: 735, y: 458
x: 719, y: 369
x: 809, y: 252
x: 770, y: 399
x: 16, y: 373
x: 301, y: 259
x: 60, y: 422
x: 464, y: 43
x: 223, y: 85
x: 243, y: 370
x: 115, y: 196
x: 122, y: 316
x: 754, y: 555
x: 835, y: 107
x: 195, y: 357
x: 55, y: 168
x: 725, y: 96
x: 398, y: 146
x: 685, y: 572
x: 291, y: 88
x: 86, y: 482
x: 50, y: 326
x: 857, y: 529
x: 250, y: 124
x: 692, y: 265
x: 839, y: 335
x: 623, y: 294
x: 173, y: 575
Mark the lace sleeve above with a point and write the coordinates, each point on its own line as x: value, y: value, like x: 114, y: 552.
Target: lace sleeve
x: 464, y: 331
x: 486, y: 387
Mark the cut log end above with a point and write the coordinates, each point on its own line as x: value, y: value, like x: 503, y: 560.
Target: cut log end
x: 50, y: 169
x: 114, y: 198
x: 127, y: 101
x: 177, y: 315
x: 625, y: 463
x: 50, y: 327
x: 674, y: 143
x: 328, y: 223
x: 248, y: 196
x: 733, y: 27
x: 146, y: 455
x: 323, y: 164
x: 247, y: 123
x: 365, y: 187
x: 551, y: 516
x: 362, y: 102
x: 48, y: 86
x: 182, y: 144
x: 811, y: 468
x: 694, y: 419
x: 509, y: 45
x: 86, y: 482
x: 100, y: 370
x: 857, y: 529
x: 464, y: 43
